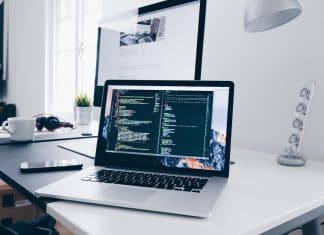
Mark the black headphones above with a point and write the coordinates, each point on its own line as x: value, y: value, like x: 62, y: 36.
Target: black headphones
x: 51, y: 123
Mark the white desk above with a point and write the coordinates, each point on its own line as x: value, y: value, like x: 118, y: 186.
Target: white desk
x: 60, y: 133
x: 261, y: 196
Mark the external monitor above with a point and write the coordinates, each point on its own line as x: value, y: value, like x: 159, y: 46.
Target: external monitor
x: 162, y: 41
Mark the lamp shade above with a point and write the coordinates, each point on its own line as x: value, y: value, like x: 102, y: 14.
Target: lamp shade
x: 262, y: 15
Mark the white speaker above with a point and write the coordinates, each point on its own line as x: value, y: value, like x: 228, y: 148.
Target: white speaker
x: 293, y: 154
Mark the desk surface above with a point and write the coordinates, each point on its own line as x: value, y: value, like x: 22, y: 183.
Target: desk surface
x: 59, y: 134
x: 261, y: 197
x: 13, y: 154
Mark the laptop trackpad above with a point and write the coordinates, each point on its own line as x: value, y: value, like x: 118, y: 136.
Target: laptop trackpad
x: 127, y: 194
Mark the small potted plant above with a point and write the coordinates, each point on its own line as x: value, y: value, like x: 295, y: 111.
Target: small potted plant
x: 82, y: 109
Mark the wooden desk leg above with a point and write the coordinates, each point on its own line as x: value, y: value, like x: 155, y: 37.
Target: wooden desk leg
x: 312, y: 228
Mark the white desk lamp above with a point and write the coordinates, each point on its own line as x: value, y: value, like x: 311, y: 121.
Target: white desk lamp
x: 261, y: 15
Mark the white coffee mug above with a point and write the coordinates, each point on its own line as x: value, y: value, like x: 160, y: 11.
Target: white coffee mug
x: 20, y: 128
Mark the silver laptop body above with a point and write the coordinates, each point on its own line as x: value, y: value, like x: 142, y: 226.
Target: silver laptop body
x: 184, y: 144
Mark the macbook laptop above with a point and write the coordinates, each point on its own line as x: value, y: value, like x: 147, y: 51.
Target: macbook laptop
x: 162, y: 146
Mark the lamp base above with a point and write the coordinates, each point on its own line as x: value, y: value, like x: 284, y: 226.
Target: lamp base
x: 291, y: 160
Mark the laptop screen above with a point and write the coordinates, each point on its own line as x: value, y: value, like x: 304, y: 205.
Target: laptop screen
x: 177, y: 126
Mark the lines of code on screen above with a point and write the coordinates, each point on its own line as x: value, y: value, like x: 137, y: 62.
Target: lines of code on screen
x: 163, y: 123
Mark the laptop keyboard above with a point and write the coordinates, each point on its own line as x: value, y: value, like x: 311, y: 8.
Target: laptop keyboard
x: 160, y: 181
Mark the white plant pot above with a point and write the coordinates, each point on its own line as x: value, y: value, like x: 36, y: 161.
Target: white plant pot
x: 82, y: 115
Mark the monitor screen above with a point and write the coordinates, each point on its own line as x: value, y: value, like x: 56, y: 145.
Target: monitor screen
x: 159, y: 122
x: 159, y: 42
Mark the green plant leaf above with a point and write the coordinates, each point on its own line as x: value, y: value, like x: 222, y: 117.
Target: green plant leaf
x: 82, y: 100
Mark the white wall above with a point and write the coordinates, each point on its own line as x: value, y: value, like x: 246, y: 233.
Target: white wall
x: 267, y: 69
x: 26, y: 56
x: 112, y: 7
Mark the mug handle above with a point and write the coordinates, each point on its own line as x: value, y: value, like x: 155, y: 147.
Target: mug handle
x: 5, y: 127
